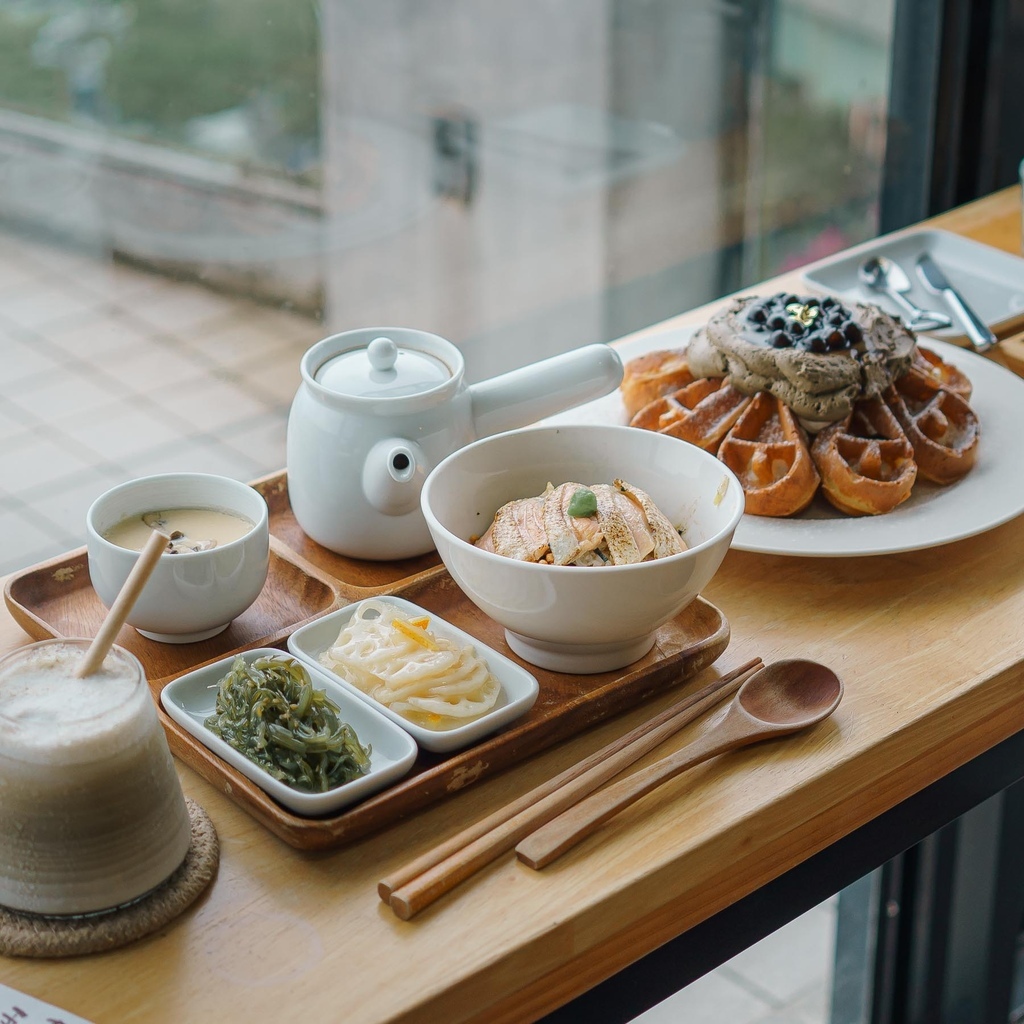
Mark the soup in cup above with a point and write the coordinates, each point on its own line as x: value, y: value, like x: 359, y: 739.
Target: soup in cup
x: 217, y: 558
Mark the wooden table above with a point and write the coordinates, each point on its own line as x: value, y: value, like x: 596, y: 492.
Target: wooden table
x: 930, y: 646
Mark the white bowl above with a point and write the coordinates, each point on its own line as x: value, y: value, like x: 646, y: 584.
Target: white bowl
x: 190, y: 596
x: 519, y: 688
x: 571, y: 618
x: 192, y: 698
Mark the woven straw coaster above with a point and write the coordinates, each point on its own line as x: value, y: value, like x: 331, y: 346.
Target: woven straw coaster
x: 31, y: 935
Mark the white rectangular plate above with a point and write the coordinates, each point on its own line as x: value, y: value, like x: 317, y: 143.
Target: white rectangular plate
x: 991, y: 280
x: 191, y: 699
x: 519, y: 688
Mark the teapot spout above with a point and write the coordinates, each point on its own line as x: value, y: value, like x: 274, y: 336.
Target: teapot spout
x: 393, y: 476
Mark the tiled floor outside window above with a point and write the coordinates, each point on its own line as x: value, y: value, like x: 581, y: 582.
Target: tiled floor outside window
x: 108, y: 373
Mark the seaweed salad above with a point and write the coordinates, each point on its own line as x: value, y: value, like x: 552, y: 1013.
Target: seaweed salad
x: 270, y: 711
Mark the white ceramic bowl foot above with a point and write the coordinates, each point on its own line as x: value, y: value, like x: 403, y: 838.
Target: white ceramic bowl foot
x: 580, y: 659
x: 183, y: 638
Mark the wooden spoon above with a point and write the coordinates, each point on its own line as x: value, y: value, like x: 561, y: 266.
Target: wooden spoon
x: 782, y: 698
x: 411, y: 888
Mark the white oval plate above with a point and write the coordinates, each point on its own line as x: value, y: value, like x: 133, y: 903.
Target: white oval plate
x: 990, y: 495
x: 519, y: 688
x: 191, y: 699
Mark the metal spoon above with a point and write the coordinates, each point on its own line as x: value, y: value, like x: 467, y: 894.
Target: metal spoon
x: 782, y: 698
x: 883, y: 275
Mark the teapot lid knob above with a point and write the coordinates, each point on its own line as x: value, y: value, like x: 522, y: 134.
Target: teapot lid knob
x: 382, y: 353
x: 381, y: 368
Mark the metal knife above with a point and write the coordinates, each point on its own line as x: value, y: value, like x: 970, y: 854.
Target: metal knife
x: 936, y: 281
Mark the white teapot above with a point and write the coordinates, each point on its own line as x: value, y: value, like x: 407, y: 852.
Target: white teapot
x: 378, y: 408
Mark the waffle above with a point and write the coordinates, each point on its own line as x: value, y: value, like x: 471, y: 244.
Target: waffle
x: 652, y: 376
x: 906, y: 413
x: 941, y: 427
x: 865, y: 460
x: 768, y: 451
x: 701, y: 412
x: 929, y: 366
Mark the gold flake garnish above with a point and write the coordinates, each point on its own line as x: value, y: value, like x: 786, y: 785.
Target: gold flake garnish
x: 806, y: 314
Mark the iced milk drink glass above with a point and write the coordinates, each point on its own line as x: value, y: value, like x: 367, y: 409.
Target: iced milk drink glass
x: 91, y: 810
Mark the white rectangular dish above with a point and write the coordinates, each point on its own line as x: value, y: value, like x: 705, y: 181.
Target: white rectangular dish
x: 191, y: 699
x: 991, y: 280
x: 519, y: 688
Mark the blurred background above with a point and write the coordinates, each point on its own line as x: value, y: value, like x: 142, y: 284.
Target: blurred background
x: 518, y: 178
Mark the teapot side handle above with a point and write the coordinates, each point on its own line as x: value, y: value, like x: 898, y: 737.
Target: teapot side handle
x: 541, y: 389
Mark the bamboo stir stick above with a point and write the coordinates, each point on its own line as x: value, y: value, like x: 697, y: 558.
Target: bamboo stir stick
x: 123, y: 603
x: 419, y: 883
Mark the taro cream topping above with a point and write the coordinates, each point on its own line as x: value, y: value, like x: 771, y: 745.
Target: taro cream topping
x: 815, y: 354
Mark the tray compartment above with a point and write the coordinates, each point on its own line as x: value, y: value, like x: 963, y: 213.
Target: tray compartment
x: 56, y: 599
x: 355, y: 578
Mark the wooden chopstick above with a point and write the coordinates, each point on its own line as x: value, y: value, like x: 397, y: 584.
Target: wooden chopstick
x: 420, y: 882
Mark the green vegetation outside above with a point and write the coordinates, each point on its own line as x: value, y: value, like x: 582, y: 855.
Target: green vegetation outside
x: 151, y: 67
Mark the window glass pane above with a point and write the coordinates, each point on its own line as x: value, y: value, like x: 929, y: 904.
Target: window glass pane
x: 786, y: 978
x: 549, y: 174
x: 226, y: 79
x: 519, y: 178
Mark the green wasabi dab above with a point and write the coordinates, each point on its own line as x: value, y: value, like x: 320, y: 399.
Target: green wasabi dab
x: 583, y: 503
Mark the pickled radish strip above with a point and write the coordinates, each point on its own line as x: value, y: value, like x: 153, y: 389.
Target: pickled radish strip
x: 417, y: 633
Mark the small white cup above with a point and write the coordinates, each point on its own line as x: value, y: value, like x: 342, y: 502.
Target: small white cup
x: 191, y: 596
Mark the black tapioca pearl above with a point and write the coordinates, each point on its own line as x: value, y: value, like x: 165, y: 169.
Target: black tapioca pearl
x: 817, y: 344
x: 776, y: 323
x: 853, y: 333
x: 789, y: 299
x: 795, y: 327
x: 781, y: 340
x: 758, y: 315
x: 836, y: 339
x: 837, y: 318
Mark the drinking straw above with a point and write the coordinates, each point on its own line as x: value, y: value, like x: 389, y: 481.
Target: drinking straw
x: 123, y: 603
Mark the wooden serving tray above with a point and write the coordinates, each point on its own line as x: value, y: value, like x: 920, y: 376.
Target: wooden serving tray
x: 566, y: 705
x: 354, y: 578
x: 55, y: 599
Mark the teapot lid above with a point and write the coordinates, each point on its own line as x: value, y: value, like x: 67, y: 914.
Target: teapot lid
x: 382, y: 370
